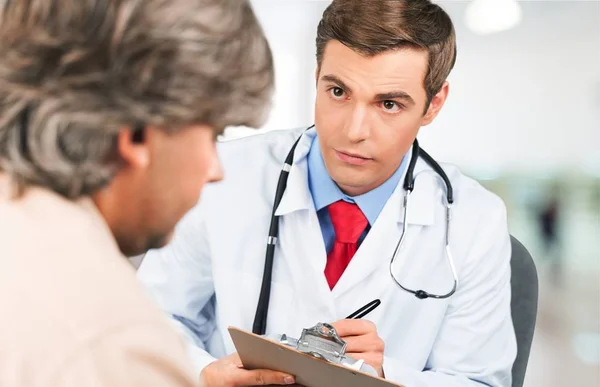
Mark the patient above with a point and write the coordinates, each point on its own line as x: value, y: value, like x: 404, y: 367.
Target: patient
x: 108, y: 115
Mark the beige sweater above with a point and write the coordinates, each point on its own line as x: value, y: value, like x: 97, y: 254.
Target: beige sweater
x: 72, y: 313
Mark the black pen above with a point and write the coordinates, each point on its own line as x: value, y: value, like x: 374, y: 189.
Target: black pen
x: 365, y: 310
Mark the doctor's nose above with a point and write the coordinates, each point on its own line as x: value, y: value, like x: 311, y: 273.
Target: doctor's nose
x: 357, y: 128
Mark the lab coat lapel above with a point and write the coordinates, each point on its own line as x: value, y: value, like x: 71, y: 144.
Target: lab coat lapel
x: 301, y: 246
x: 378, y: 247
x: 301, y: 243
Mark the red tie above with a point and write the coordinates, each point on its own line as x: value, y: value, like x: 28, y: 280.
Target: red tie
x: 349, y: 223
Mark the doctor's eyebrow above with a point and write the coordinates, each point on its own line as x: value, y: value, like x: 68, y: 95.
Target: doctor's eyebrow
x: 337, y: 81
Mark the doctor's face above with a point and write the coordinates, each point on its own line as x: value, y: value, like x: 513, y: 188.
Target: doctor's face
x: 368, y: 112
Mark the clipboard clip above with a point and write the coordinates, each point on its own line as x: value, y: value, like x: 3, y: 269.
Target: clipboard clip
x: 323, y: 342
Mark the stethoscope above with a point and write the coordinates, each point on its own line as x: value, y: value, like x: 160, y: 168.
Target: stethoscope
x: 260, y: 319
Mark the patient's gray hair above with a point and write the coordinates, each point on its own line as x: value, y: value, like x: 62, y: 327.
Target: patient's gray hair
x: 73, y: 72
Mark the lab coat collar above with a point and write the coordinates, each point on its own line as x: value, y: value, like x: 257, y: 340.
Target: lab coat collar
x: 297, y: 195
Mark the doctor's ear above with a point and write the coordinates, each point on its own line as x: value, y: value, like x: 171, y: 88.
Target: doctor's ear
x: 132, y: 146
x: 436, y: 104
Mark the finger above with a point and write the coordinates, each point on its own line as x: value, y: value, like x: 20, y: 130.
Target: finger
x: 232, y: 359
x: 235, y: 359
x: 264, y: 377
x: 365, y: 343
x: 354, y: 327
x: 372, y: 359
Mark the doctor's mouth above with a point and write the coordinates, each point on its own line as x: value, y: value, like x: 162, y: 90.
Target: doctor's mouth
x: 351, y: 158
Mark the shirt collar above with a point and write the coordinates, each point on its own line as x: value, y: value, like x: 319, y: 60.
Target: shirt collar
x: 324, y: 191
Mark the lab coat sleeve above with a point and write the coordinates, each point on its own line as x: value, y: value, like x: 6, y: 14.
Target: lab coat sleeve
x: 179, y: 278
x: 476, y: 345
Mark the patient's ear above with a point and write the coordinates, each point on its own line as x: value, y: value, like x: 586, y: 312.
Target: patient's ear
x: 132, y: 146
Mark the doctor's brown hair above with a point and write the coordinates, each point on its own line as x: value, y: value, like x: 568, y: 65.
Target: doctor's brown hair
x: 376, y: 26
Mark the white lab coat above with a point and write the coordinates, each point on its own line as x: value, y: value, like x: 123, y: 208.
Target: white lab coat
x: 210, y: 275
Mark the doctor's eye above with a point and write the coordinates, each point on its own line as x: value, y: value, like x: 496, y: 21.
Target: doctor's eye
x: 391, y: 106
x: 337, y: 92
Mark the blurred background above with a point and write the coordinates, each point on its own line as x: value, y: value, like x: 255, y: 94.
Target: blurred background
x: 523, y: 118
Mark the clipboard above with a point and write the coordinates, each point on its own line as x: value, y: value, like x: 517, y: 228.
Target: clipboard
x: 257, y: 352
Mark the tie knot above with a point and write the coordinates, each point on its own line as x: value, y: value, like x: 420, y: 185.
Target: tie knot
x: 348, y: 221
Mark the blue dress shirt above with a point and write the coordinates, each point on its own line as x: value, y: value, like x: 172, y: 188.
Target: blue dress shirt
x: 324, y: 192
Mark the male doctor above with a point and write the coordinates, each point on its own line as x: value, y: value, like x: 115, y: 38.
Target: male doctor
x: 382, y: 69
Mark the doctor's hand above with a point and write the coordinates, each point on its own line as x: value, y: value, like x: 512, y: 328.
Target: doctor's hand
x: 362, y: 341
x: 229, y: 372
